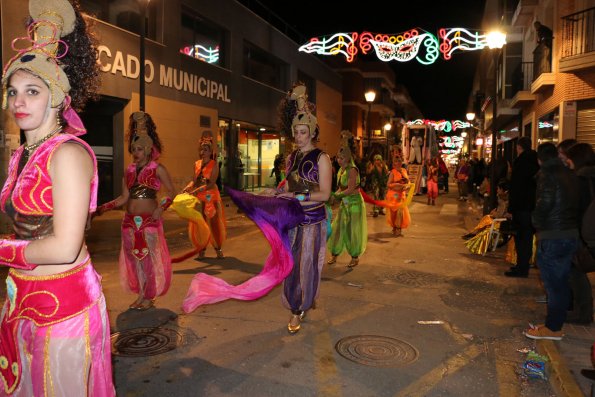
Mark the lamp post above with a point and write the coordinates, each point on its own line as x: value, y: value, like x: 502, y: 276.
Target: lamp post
x: 387, y: 127
x: 496, y: 41
x: 143, y: 15
x: 470, y: 117
x: 370, y: 96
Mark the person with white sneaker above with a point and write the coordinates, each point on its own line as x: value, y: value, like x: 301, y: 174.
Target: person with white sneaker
x: 555, y: 219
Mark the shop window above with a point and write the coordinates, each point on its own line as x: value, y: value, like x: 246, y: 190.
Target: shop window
x: 126, y: 14
x: 547, y: 128
x: 203, y: 39
x: 264, y: 67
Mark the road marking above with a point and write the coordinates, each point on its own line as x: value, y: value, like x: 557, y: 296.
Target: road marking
x: 423, y: 385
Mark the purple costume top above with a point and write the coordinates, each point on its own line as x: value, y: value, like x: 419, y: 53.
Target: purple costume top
x: 302, y: 176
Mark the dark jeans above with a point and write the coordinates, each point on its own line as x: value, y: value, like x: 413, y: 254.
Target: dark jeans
x: 523, y: 239
x: 554, y: 258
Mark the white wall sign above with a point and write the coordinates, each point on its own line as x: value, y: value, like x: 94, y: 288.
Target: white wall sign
x: 128, y: 66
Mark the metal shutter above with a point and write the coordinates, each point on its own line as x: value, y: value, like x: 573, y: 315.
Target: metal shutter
x: 585, y: 122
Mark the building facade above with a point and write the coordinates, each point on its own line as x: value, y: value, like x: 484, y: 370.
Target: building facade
x: 208, y: 66
x: 538, y: 87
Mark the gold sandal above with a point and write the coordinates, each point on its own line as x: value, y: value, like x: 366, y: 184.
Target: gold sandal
x: 219, y: 253
x: 354, y: 262
x: 332, y: 261
x: 294, y: 324
x: 146, y: 304
x: 135, y: 305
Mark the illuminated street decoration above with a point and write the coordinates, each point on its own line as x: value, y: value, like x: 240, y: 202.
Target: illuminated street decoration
x: 415, y: 43
x: 451, y: 144
x: 209, y: 55
x: 460, y: 39
x: 442, y: 125
x: 402, y: 47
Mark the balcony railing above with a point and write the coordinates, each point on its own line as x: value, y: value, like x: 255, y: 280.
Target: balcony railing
x: 578, y: 32
x: 522, y: 77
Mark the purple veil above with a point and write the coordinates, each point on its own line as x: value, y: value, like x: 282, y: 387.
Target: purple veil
x: 275, y: 217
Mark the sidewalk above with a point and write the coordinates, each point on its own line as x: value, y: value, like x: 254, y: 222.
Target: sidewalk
x: 566, y: 357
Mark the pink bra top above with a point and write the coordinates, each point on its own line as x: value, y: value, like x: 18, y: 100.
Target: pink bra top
x: 27, y: 197
x: 147, y: 176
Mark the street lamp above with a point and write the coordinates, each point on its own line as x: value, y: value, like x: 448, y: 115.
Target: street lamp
x: 387, y: 127
x: 143, y: 15
x: 496, y: 40
x: 370, y: 96
x: 470, y: 117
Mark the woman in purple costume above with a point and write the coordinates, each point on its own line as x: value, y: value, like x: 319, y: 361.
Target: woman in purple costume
x: 309, y: 179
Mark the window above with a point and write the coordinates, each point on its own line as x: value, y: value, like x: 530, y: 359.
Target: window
x: 264, y: 67
x: 202, y: 39
x: 125, y: 14
x: 547, y: 129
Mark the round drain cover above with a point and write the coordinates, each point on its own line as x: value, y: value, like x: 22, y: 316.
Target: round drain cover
x: 139, y: 342
x: 377, y: 351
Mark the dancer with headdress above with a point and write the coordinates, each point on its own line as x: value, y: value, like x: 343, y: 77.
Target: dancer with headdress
x: 54, y: 331
x: 376, y: 181
x: 349, y: 228
x: 145, y: 264
x: 204, y: 187
x: 398, y: 217
x: 294, y: 223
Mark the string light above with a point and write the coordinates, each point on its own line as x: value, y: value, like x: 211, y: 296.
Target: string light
x: 414, y: 44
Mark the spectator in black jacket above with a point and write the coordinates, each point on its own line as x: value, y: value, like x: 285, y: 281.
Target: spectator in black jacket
x: 520, y: 204
x: 556, y: 223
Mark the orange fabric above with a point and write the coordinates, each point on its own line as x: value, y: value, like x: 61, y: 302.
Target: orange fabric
x: 398, y: 215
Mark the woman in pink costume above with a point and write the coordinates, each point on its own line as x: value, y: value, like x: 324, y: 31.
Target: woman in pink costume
x: 54, y: 331
x: 398, y: 217
x: 145, y: 264
x: 204, y: 187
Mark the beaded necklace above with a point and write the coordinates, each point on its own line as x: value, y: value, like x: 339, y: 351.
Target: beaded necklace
x: 31, y: 148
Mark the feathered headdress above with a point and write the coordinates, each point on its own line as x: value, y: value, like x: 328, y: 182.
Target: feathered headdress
x: 296, y: 110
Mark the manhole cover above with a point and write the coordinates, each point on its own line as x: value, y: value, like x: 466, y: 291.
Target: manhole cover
x: 140, y: 342
x: 377, y: 351
x: 415, y: 279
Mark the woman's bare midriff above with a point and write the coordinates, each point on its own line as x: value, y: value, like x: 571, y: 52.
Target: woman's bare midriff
x: 47, y: 270
x: 141, y: 206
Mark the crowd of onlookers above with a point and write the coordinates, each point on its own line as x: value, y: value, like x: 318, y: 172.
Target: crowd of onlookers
x: 550, y: 190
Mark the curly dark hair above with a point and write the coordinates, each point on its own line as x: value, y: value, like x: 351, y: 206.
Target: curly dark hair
x: 80, y: 63
x: 151, y: 131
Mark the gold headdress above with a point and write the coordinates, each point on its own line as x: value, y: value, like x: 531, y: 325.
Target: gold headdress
x: 304, y: 115
x: 140, y: 133
x: 207, y: 139
x: 52, y: 19
x: 345, y: 149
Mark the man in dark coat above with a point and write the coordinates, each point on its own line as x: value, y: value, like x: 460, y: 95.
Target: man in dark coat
x: 520, y: 204
x: 556, y: 223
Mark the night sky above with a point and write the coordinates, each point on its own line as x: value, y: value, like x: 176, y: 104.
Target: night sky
x: 440, y: 90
